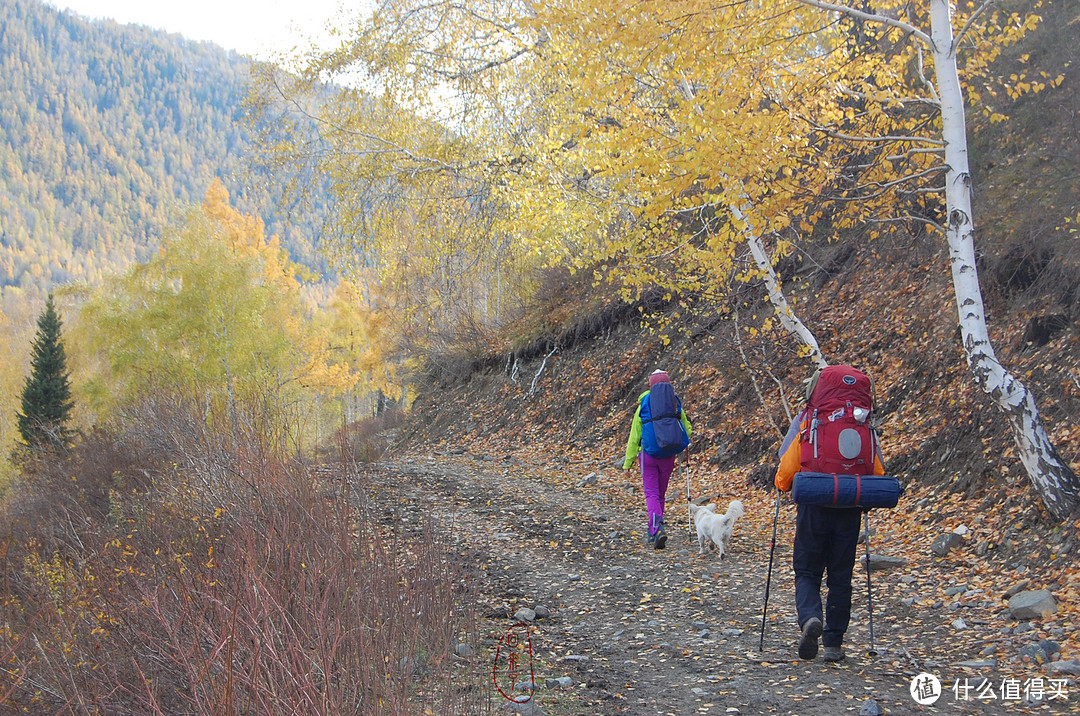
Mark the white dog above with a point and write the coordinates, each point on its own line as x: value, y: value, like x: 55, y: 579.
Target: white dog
x: 714, y: 529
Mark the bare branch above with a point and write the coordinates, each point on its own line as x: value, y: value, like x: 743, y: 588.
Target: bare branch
x: 780, y: 388
x: 888, y: 138
x: 903, y: 102
x: 922, y: 75
x: 750, y: 371
x: 967, y: 25
x: 491, y: 64
x: 915, y: 150
x: 543, y: 364
x: 883, y: 187
x: 909, y: 217
x: 870, y: 17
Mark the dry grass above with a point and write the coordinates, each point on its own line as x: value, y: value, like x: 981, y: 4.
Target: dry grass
x: 173, y: 569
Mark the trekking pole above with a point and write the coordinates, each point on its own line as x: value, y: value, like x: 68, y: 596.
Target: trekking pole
x: 768, y: 578
x: 869, y: 595
x: 689, y: 517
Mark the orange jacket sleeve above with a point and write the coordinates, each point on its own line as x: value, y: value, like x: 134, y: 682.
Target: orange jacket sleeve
x: 790, y: 463
x: 790, y: 456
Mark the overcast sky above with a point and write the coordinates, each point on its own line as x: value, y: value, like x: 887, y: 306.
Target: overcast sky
x: 253, y: 27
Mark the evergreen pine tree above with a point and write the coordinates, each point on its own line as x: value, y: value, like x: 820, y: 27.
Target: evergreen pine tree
x: 46, y: 397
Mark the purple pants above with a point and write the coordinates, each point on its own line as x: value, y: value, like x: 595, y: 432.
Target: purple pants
x: 655, y: 474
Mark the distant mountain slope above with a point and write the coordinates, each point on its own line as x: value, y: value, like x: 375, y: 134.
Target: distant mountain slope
x: 106, y: 130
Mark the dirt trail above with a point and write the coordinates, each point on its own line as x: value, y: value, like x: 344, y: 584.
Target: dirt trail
x: 640, y: 631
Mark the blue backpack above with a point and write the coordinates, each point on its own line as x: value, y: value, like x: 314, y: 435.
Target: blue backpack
x: 662, y: 431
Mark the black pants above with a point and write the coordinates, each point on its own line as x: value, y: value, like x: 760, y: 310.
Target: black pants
x: 825, y: 542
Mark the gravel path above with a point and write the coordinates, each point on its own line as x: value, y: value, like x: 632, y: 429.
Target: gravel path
x: 638, y: 631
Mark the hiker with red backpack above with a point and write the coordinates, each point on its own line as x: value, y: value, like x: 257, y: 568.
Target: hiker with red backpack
x: 659, y: 432
x: 831, y: 444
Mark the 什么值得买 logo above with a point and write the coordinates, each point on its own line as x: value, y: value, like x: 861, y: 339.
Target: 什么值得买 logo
x: 925, y: 689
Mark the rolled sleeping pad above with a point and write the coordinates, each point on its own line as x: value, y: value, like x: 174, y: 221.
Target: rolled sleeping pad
x: 820, y: 488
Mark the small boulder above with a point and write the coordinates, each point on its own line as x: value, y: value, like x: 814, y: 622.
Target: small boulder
x: 1017, y: 588
x: 1043, y: 651
x: 525, y: 708
x: 1032, y: 604
x: 1070, y: 667
x: 589, y: 479
x: 946, y: 543
x: 1052, y: 649
x: 871, y: 708
x: 525, y: 615
x: 1032, y: 653
x: 978, y: 664
x: 883, y: 561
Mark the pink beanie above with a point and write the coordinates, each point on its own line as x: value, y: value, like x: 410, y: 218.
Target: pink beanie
x: 658, y: 376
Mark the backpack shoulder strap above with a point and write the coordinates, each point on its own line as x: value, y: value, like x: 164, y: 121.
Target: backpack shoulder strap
x: 811, y: 383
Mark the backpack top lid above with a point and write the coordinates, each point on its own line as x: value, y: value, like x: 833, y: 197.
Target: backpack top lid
x: 660, y: 402
x: 837, y: 385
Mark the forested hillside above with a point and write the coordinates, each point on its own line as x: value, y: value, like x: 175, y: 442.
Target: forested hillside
x: 106, y: 133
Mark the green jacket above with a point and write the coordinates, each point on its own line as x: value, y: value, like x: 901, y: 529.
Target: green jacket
x: 633, y: 443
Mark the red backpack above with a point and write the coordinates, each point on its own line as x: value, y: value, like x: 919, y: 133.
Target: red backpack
x: 838, y: 437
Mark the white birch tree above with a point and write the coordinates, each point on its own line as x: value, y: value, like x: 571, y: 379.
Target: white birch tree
x: 1051, y: 476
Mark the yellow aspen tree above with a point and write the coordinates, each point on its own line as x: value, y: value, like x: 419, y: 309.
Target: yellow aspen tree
x: 216, y: 316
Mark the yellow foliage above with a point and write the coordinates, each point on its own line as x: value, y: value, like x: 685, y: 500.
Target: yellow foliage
x: 501, y: 138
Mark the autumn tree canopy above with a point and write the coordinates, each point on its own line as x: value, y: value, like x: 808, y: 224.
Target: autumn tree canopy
x: 218, y: 316
x: 675, y: 145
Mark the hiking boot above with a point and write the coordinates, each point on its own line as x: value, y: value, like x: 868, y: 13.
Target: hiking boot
x: 808, y: 645
x: 832, y: 653
x: 661, y: 536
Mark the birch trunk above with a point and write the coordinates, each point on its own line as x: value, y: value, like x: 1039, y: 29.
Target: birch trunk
x: 783, y: 309
x: 1051, y: 476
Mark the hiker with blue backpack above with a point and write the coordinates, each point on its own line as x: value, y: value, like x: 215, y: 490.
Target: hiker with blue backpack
x: 659, y: 432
